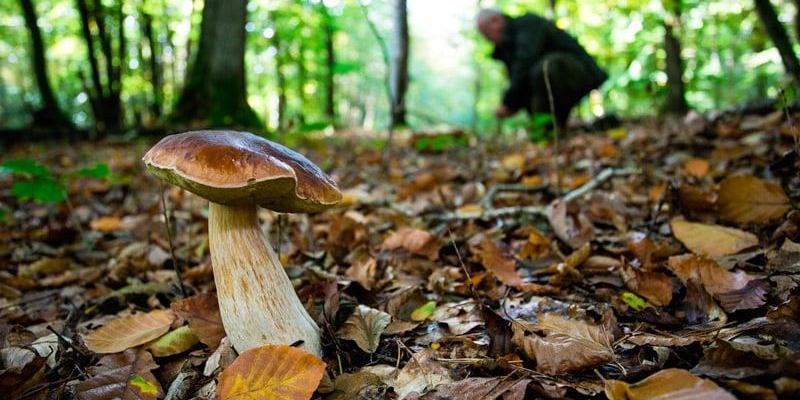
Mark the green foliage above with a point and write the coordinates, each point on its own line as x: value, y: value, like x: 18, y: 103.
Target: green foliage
x: 440, y: 143
x: 4, y: 213
x: 37, y: 183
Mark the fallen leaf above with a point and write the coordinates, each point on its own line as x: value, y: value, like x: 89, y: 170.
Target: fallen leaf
x: 739, y: 289
x: 729, y: 360
x: 174, y: 342
x: 353, y: 386
x: 498, y: 262
x: 122, y: 376
x: 478, y: 389
x: 126, y: 332
x: 362, y: 270
x: 712, y: 240
x: 654, y: 286
x: 575, y: 231
x: 106, y: 224
x: 749, y: 200
x: 424, y: 311
x: 696, y: 167
x: 665, y: 385
x: 272, y: 372
x: 568, y: 345
x: 420, y: 375
x: 537, y: 246
x: 202, y: 312
x: 416, y: 241
x: 365, y: 327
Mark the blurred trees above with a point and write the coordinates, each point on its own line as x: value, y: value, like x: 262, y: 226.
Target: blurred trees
x: 49, y: 113
x: 777, y: 33
x: 215, y: 92
x: 301, y: 65
x: 399, y: 64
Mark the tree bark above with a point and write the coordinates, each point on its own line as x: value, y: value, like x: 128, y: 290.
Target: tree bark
x: 399, y: 79
x: 780, y: 39
x: 330, y: 64
x: 676, y: 88
x: 215, y: 92
x: 49, y: 114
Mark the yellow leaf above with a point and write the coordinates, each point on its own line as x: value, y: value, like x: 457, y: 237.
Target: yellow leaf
x: 106, y: 224
x: 748, y: 200
x: 124, y: 333
x: 712, y: 240
x: 272, y: 372
x: 514, y: 162
x: 174, y: 342
x: 533, y: 180
x: 469, y: 210
x: 424, y: 311
x: 617, y: 133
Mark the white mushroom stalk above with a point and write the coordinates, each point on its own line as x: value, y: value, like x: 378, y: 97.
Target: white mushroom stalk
x: 257, y: 301
x: 237, y: 172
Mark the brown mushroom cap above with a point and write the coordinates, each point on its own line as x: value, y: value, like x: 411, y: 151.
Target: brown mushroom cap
x: 240, y: 168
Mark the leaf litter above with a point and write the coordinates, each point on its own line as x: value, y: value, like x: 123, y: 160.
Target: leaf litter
x: 666, y: 265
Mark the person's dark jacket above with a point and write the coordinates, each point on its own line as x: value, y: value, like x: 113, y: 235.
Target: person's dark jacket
x: 526, y: 41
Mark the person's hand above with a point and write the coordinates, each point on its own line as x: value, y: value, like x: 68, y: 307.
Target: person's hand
x: 502, y: 111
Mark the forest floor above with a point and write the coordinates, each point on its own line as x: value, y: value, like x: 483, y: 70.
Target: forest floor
x: 665, y: 251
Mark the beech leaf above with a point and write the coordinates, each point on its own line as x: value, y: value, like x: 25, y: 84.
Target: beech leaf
x: 667, y: 384
x: 749, y: 200
x: 712, y: 240
x: 498, y: 262
x: 202, y: 312
x: 122, y: 376
x: 272, y: 372
x: 416, y: 241
x: 126, y: 332
x: 365, y: 327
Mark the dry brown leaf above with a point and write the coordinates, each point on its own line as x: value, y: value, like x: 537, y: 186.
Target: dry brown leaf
x: 666, y: 385
x: 716, y: 279
x: 362, y: 270
x: 712, y: 240
x: 568, y: 345
x: 537, y: 246
x: 498, y: 262
x: 653, y: 286
x: 698, y: 199
x: 106, y: 224
x: 696, y: 167
x: 478, y: 389
x: 126, y: 332
x: 416, y: 241
x: 575, y: 231
x: 421, y: 374
x: 272, y: 372
x: 202, y: 312
x: 749, y: 200
x: 124, y: 376
x: 365, y: 327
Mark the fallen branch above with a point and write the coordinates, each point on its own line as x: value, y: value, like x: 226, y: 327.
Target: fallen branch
x: 487, y: 200
x: 575, y: 194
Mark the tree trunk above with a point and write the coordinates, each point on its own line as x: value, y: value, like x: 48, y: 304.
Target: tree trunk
x: 399, y: 79
x: 215, y: 92
x: 156, y: 106
x: 330, y: 64
x: 281, y: 78
x: 105, y: 96
x: 676, y: 88
x: 777, y: 33
x: 49, y: 113
x: 797, y: 19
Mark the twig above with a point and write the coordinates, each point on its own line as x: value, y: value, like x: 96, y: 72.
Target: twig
x: 556, y: 127
x: 487, y: 200
x: 169, y: 240
x: 598, y: 180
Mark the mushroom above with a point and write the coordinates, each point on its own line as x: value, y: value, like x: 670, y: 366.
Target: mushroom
x: 237, y: 172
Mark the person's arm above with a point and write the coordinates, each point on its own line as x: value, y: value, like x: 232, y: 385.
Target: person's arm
x: 529, y: 43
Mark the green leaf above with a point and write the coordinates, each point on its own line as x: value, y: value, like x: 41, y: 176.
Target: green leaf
x: 634, y: 301
x: 424, y: 311
x: 144, y: 387
x: 43, y: 190
x: 25, y: 166
x: 98, y: 171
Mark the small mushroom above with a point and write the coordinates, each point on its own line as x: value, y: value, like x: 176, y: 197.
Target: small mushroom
x: 238, y: 172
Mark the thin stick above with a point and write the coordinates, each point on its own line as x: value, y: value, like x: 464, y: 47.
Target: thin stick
x: 72, y: 215
x: 487, y: 200
x: 556, y: 127
x: 169, y: 240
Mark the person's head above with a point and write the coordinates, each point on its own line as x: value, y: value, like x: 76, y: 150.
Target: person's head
x: 491, y: 24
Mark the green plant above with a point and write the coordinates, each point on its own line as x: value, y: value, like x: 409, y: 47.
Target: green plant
x: 34, y: 181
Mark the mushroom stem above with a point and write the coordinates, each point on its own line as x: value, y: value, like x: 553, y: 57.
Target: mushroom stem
x: 257, y: 302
